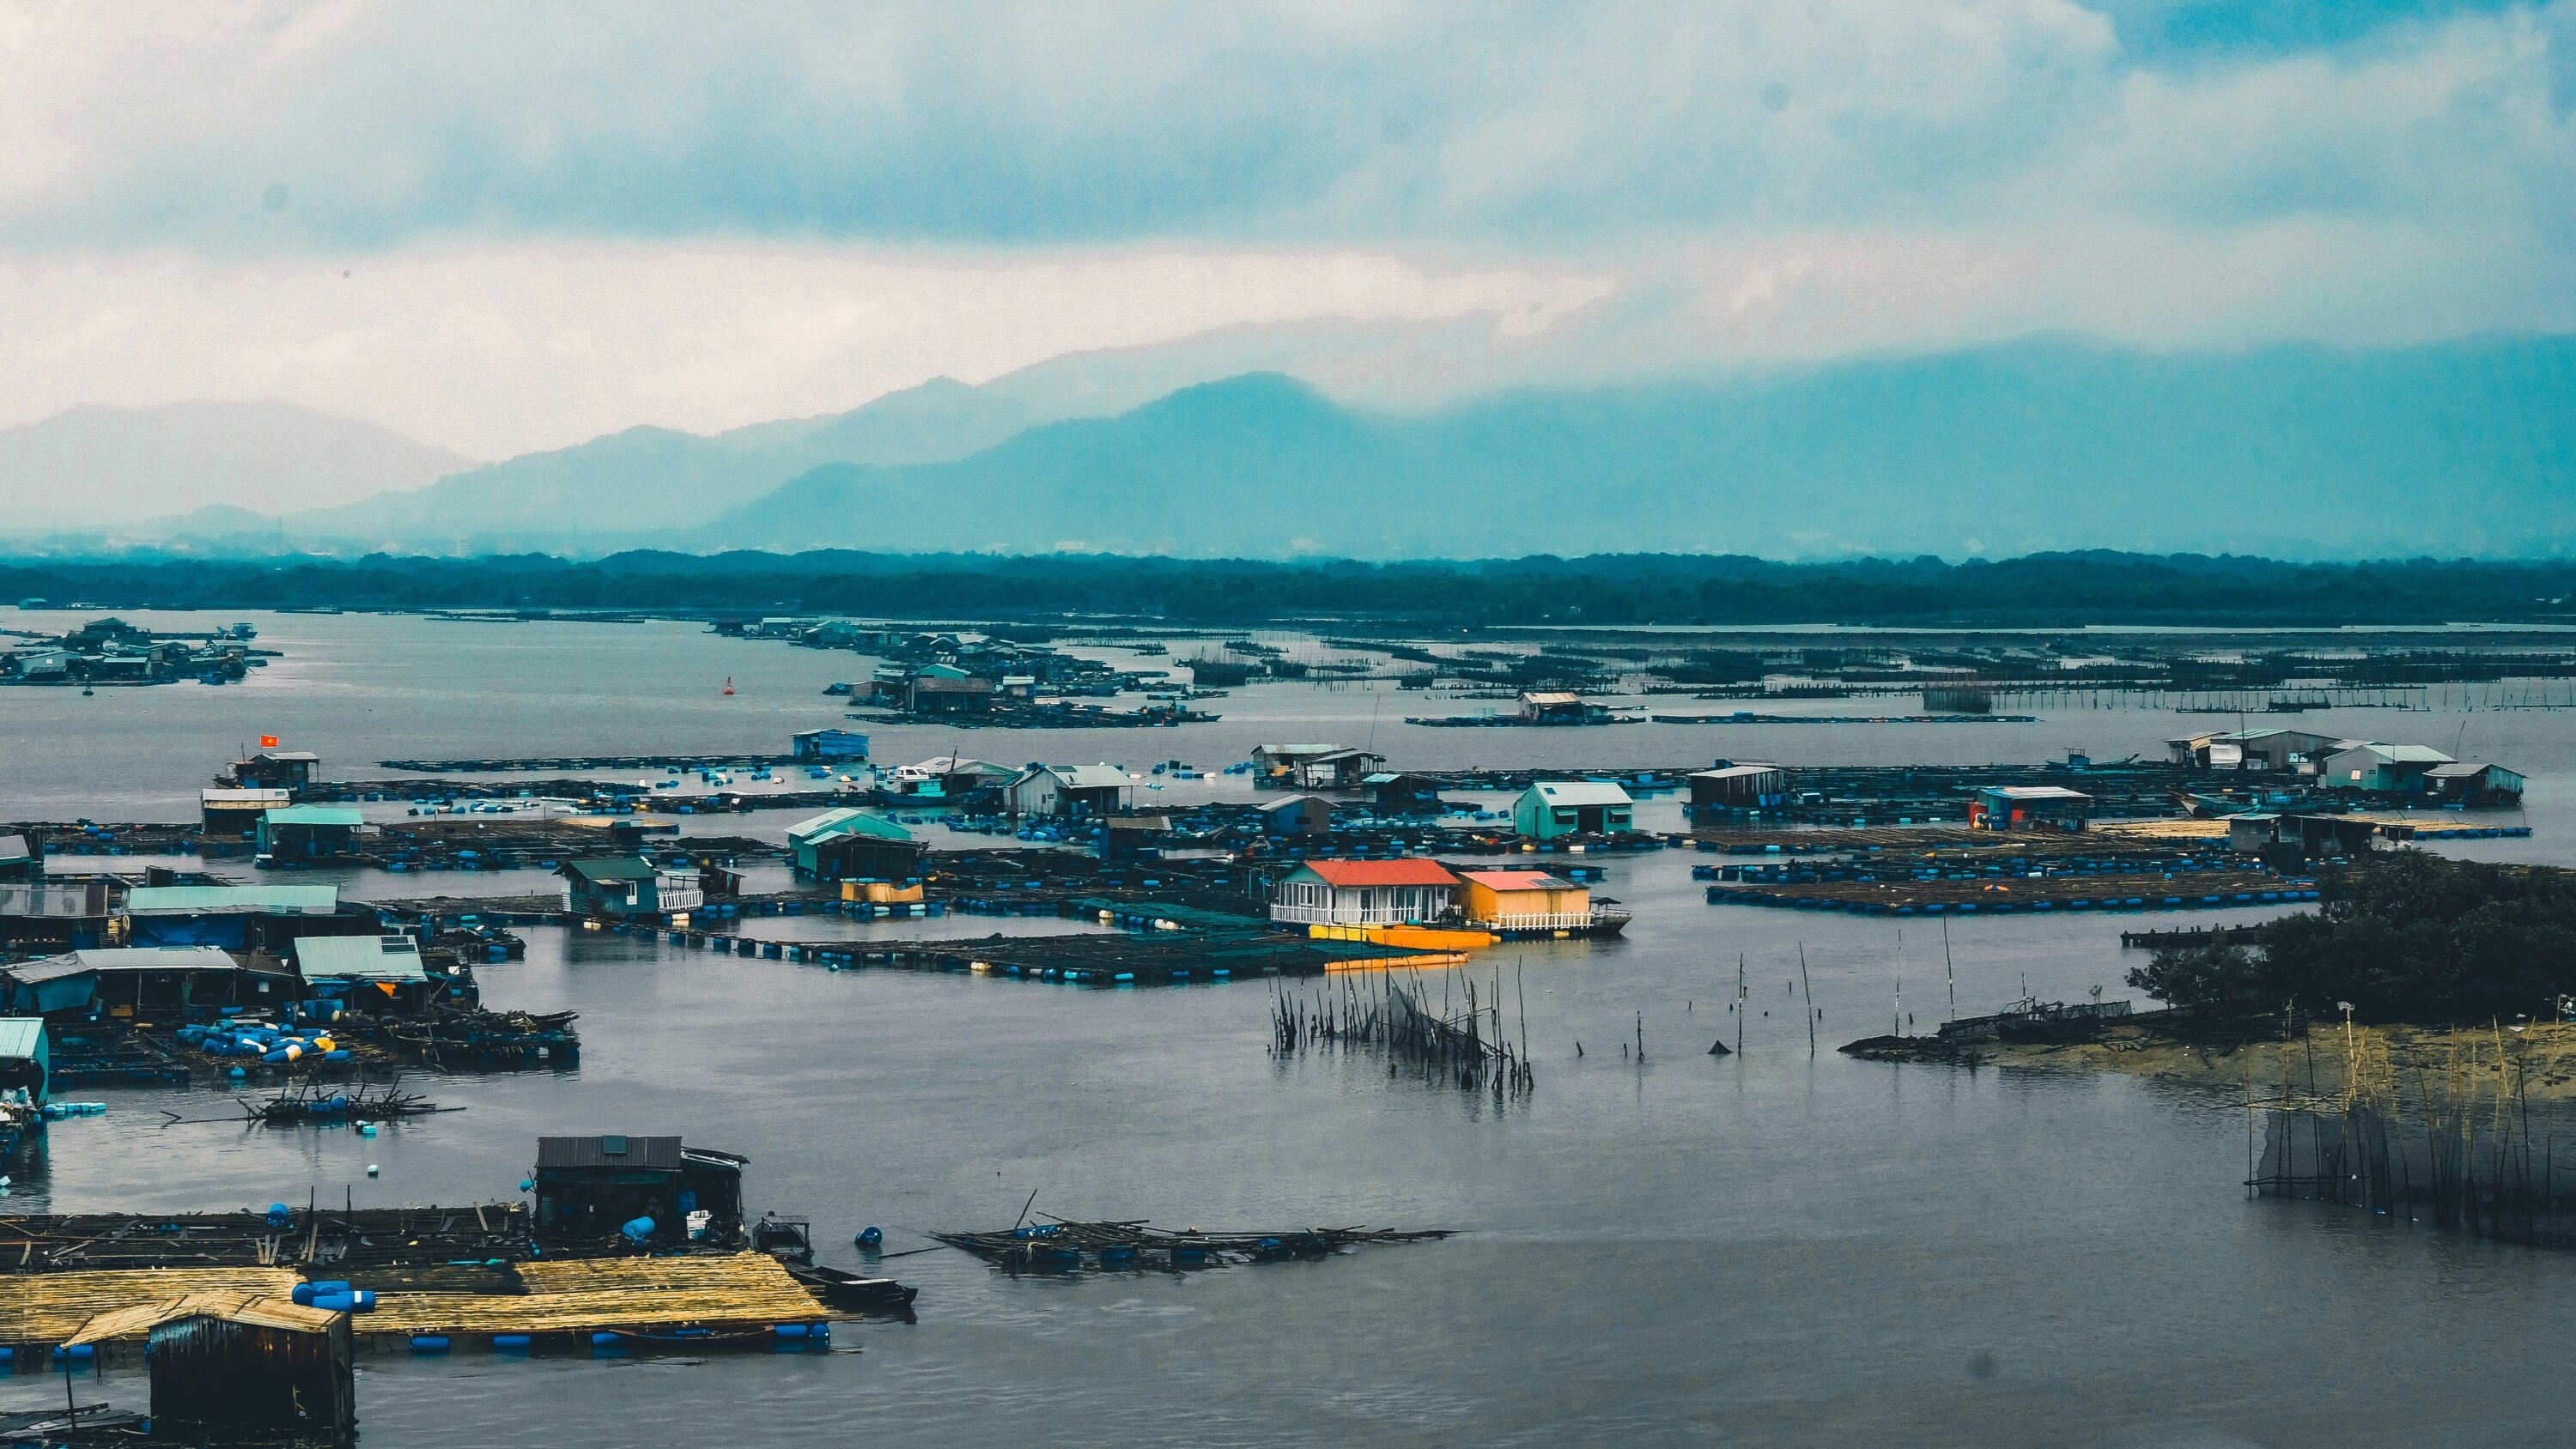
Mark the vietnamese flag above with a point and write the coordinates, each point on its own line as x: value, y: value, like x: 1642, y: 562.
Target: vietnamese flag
x: 268, y: 742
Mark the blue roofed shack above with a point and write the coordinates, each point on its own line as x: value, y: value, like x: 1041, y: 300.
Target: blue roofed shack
x: 851, y: 844
x: 147, y: 983
x: 374, y: 972
x: 238, y: 918
x: 310, y: 832
x: 26, y: 1059
x: 830, y: 744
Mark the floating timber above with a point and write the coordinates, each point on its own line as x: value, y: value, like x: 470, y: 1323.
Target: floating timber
x: 1059, y: 1245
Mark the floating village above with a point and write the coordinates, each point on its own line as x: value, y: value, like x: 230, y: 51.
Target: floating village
x: 1371, y: 898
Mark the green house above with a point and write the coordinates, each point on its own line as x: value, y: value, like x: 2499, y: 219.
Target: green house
x: 1550, y: 808
x: 849, y: 844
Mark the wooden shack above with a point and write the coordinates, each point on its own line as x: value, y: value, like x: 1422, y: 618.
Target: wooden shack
x: 853, y: 844
x: 310, y: 832
x: 589, y: 1188
x: 232, y: 1363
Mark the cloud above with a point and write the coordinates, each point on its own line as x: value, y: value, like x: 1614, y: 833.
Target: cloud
x: 563, y: 219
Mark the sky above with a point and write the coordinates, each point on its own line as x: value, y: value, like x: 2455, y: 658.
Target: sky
x: 503, y: 227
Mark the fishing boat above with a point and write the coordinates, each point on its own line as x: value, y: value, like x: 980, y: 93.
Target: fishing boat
x: 840, y: 1288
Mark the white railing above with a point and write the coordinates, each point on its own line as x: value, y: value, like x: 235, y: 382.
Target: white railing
x: 1345, y: 915
x: 1538, y: 921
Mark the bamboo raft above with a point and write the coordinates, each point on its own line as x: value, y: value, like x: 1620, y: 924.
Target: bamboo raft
x: 737, y: 1294
x: 1060, y: 1245
x: 48, y: 1308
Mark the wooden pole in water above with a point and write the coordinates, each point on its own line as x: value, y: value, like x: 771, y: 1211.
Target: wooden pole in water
x: 1739, y: 1003
x: 1949, y: 971
x: 1811, y: 1000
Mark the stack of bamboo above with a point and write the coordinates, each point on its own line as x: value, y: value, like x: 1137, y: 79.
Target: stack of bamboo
x: 743, y: 1290
x: 47, y: 1308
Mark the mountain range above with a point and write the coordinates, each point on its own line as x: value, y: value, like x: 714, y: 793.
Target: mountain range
x: 2461, y: 448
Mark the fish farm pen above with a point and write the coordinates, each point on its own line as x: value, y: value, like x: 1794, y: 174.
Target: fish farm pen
x: 2212, y: 891
x: 1162, y: 958
x: 2458, y: 1145
x: 317, y: 1235
x: 1463, y: 1043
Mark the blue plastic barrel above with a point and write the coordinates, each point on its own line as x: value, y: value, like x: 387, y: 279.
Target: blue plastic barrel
x: 429, y: 1343
x: 507, y: 1341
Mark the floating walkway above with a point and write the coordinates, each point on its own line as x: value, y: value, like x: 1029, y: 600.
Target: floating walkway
x: 1897, y: 899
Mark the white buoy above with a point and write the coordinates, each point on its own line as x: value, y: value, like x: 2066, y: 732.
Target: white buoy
x: 371, y: 1169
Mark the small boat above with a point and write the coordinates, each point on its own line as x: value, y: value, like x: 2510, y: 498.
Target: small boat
x: 841, y: 1288
x: 728, y: 684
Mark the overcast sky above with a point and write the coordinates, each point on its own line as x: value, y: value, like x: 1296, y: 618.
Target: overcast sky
x: 504, y: 227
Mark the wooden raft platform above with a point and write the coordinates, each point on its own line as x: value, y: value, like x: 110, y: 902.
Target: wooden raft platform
x: 740, y: 1292
x: 46, y: 1308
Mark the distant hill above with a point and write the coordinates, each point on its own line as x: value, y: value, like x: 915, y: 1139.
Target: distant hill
x: 2463, y: 448
x: 96, y: 465
x: 654, y: 481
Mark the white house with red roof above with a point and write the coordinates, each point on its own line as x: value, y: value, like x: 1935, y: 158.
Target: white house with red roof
x: 1364, y: 893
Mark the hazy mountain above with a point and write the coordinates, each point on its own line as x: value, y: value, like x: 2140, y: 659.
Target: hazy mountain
x: 2465, y: 448
x: 654, y: 480
x: 95, y: 465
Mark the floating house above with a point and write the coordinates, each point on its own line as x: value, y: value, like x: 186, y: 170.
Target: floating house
x: 1364, y: 893
x: 1522, y: 900
x: 1313, y: 766
x: 645, y: 1189
x: 2474, y: 784
x: 1557, y: 707
x: 628, y: 885
x: 1298, y: 815
x: 2283, y: 750
x: 236, y: 1367
x: 2381, y: 769
x: 1739, y: 787
x: 149, y: 982
x: 946, y: 689
x: 262, y: 918
x: 58, y: 916
x: 377, y: 973
x: 1068, y: 791
x: 1397, y: 793
x: 277, y: 770
x: 950, y: 777
x: 850, y: 844
x: 26, y: 1060
x: 1550, y: 808
x: 2305, y: 837
x: 1134, y: 837
x: 22, y: 859
x: 2028, y: 807
x: 829, y: 744
x: 235, y: 813
x: 310, y: 832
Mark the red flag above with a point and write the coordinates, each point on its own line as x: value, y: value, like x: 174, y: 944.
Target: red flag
x: 268, y: 742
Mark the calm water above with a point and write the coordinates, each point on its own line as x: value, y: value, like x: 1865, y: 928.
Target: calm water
x: 1764, y: 1249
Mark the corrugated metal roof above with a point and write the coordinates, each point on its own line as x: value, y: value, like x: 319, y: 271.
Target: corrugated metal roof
x: 261, y: 900
x: 124, y: 958
x: 1581, y: 792
x: 1090, y: 777
x: 245, y: 799
x: 20, y: 1036
x: 626, y: 867
x: 1379, y: 872
x: 1521, y: 880
x: 845, y: 821
x: 649, y: 1154
x: 14, y: 847
x: 359, y: 958
x: 2034, y: 792
x: 345, y: 815
x: 289, y: 757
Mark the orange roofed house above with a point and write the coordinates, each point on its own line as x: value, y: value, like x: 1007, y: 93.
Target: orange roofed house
x: 1364, y: 893
x: 1525, y: 900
